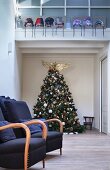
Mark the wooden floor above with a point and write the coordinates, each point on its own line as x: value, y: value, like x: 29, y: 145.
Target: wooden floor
x: 87, y: 151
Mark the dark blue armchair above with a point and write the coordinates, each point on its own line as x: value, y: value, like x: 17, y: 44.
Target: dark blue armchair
x: 18, y: 111
x: 19, y: 153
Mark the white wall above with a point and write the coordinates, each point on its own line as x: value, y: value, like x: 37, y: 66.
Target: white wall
x: 108, y: 64
x: 97, y: 86
x: 79, y: 78
x: 97, y: 92
x: 18, y: 73
x: 8, y: 61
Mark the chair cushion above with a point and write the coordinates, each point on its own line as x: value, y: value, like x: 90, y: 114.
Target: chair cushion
x: 1, y: 115
x: 53, y: 141
x: 3, y: 107
x: 17, y: 145
x: 43, y: 120
x: 17, y: 110
x: 34, y: 128
x: 50, y: 135
x: 7, y: 134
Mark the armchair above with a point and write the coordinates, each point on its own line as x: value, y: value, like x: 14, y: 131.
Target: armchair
x: 23, y: 152
x: 18, y: 111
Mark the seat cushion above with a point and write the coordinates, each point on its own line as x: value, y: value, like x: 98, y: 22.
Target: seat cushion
x: 50, y: 135
x: 17, y: 145
x: 53, y: 141
x: 12, y: 153
x: 7, y: 134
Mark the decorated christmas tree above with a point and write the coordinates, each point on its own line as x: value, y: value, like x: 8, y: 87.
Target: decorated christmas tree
x: 55, y: 101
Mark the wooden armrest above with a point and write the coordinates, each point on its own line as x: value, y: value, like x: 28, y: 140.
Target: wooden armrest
x: 56, y: 120
x: 28, y: 135
x: 44, y: 127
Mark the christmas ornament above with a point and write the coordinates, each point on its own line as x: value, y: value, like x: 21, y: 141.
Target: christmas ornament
x: 63, y: 123
x: 45, y: 104
x: 50, y: 111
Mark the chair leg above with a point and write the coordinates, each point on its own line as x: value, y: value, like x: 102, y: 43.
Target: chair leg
x: 35, y: 32
x: 91, y: 126
x: 60, y: 151
x: 45, y: 31
x: 95, y: 32
x: 52, y: 31
x: 73, y: 32
x: 84, y: 31
x: 63, y: 31
x: 56, y: 30
x: 32, y: 31
x: 92, y: 31
x: 103, y: 31
x: 81, y: 31
x: 43, y: 161
x: 25, y: 32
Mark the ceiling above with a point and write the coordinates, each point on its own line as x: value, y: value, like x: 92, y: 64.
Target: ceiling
x: 61, y: 47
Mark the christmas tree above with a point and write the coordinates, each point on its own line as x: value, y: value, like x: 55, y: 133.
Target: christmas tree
x: 55, y: 101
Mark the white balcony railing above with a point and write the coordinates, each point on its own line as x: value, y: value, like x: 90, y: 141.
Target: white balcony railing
x: 37, y: 34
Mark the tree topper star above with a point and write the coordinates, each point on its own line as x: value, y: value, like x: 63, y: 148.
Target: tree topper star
x: 55, y: 65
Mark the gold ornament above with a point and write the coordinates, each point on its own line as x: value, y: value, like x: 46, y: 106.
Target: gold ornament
x: 55, y: 66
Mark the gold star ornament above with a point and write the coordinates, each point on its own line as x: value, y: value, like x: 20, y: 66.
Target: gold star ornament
x: 55, y: 66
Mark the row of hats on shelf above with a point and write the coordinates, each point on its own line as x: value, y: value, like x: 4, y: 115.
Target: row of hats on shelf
x: 49, y: 21
x: 60, y: 21
x: 87, y: 21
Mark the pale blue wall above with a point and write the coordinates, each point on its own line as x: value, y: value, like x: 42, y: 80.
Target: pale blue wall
x: 8, y: 61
